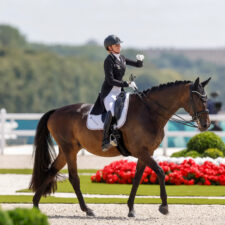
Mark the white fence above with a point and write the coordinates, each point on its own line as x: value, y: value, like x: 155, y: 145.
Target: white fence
x: 217, y: 117
x: 11, y: 117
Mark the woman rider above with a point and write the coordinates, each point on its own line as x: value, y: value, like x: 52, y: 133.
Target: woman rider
x: 114, y: 66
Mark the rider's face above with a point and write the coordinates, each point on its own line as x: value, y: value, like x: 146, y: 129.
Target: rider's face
x: 115, y: 48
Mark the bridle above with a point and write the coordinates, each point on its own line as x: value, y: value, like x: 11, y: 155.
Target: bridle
x: 203, y: 98
x: 197, y: 114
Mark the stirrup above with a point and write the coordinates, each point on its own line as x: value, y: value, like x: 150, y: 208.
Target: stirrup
x: 112, y: 143
x: 113, y: 140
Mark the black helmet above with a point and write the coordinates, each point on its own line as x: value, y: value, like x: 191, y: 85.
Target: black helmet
x: 111, y: 40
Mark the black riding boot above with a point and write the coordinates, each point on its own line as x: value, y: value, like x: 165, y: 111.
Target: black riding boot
x: 107, y: 143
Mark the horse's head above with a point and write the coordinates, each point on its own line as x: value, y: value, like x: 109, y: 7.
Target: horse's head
x: 197, y: 107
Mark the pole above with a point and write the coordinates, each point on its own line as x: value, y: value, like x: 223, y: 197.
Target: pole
x: 165, y: 140
x: 3, y: 119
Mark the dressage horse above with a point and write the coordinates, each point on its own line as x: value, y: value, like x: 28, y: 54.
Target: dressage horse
x: 148, y: 113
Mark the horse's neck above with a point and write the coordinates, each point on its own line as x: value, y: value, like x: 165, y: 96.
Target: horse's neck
x: 167, y: 101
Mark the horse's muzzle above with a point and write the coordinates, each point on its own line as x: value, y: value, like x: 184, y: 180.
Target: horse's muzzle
x: 205, y: 126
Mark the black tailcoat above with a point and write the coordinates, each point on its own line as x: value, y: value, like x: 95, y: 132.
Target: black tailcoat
x: 114, y: 72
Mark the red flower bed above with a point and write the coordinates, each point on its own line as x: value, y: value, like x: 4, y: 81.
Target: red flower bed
x: 188, y: 172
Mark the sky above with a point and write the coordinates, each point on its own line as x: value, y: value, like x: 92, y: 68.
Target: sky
x: 139, y: 23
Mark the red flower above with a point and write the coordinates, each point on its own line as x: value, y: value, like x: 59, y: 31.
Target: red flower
x: 191, y: 182
x: 188, y: 172
x: 153, y: 178
x: 166, y: 178
x: 93, y: 178
x: 207, y: 182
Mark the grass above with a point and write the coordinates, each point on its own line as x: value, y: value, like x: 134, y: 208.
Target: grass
x: 30, y: 171
x: 28, y: 199
x: 88, y: 187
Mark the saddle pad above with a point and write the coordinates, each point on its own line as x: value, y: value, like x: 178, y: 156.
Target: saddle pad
x: 94, y: 122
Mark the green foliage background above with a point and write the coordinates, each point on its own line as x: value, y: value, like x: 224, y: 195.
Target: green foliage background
x: 204, y: 141
x: 4, y: 218
x: 36, y: 77
x: 23, y: 216
x: 205, y: 144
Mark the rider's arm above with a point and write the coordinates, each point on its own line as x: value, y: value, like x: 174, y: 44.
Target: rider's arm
x: 137, y: 63
x: 108, y: 67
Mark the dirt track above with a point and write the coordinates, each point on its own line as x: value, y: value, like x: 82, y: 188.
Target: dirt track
x: 69, y: 214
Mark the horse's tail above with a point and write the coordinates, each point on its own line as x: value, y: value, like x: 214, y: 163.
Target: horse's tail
x: 43, y: 156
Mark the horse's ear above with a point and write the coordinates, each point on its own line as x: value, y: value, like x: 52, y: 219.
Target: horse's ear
x: 196, y: 83
x: 204, y: 83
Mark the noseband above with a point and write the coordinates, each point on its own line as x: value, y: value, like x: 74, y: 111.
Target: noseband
x: 203, y: 98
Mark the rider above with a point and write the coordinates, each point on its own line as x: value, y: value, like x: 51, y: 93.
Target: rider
x: 114, y: 66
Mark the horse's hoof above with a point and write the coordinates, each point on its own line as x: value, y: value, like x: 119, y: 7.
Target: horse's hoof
x: 163, y: 209
x: 36, y: 207
x: 131, y: 213
x: 90, y: 213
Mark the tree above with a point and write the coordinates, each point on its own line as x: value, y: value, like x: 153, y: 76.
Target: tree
x: 11, y: 37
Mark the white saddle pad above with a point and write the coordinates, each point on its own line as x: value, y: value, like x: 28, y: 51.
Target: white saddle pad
x: 94, y: 122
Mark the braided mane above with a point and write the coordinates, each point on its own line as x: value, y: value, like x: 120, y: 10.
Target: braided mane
x: 163, y: 86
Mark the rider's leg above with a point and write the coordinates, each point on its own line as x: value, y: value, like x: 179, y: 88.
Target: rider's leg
x: 109, y: 105
x: 106, y: 144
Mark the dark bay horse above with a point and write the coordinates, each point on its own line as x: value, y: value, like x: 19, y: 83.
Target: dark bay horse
x: 142, y: 134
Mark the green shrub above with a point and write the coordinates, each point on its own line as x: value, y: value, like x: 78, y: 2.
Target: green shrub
x: 33, y: 216
x: 205, y: 140
x: 4, y: 218
x: 180, y: 153
x: 213, y: 153
x: 193, y: 154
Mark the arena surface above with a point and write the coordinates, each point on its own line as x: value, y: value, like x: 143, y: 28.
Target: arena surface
x: 114, y: 214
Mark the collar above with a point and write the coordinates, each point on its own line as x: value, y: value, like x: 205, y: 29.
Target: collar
x: 117, y: 56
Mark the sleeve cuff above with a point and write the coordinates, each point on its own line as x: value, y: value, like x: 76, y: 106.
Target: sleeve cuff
x: 139, y: 63
x: 125, y: 84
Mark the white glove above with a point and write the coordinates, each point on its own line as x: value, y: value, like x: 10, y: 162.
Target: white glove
x: 133, y: 85
x: 140, y: 57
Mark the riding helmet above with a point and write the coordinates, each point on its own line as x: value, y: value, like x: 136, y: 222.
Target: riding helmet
x: 111, y: 40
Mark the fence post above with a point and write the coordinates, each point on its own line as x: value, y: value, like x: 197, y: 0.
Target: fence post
x: 3, y: 119
x: 165, y: 140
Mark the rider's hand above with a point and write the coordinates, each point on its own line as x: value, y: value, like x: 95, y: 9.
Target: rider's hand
x: 133, y: 85
x: 140, y: 57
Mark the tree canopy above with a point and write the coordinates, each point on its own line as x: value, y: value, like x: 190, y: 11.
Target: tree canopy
x: 37, y: 77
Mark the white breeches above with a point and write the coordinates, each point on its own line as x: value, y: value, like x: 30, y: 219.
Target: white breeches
x: 109, y: 100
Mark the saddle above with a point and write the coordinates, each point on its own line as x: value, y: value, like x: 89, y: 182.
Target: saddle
x: 96, y: 121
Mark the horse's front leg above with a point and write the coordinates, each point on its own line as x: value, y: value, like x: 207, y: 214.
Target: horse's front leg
x: 138, y: 175
x: 150, y: 162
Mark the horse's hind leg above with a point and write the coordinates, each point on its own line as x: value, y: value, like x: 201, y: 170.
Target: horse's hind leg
x: 50, y: 180
x: 74, y: 179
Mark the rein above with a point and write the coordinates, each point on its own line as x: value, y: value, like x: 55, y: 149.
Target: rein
x: 182, y: 120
